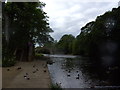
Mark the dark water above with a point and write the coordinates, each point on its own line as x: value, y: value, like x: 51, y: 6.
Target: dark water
x: 79, y: 72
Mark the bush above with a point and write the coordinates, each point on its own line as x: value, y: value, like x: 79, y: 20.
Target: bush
x: 40, y: 56
x: 43, y: 50
x: 8, y: 61
x: 55, y: 87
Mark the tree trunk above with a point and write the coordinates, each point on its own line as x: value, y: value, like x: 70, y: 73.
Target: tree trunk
x: 26, y: 53
x: 7, y: 28
x: 22, y: 54
x: 15, y: 52
x: 30, y: 52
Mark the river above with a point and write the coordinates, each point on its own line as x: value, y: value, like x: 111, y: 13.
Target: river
x: 78, y: 72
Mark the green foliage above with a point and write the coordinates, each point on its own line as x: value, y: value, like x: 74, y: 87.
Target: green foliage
x: 8, y: 61
x: 42, y: 50
x: 27, y: 25
x: 39, y: 54
x: 105, y: 27
x: 65, y: 44
x: 28, y: 22
x: 55, y: 87
x: 94, y: 33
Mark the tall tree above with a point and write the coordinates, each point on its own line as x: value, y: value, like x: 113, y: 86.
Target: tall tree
x: 66, y: 43
x: 28, y: 25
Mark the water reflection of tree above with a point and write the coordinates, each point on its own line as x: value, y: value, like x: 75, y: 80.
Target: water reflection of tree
x: 104, y: 76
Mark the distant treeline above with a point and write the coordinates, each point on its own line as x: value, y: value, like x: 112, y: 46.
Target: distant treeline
x: 105, y: 28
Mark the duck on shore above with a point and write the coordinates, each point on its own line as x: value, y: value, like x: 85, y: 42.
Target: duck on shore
x: 8, y: 69
x: 44, y: 70
x: 26, y: 76
x: 19, y: 68
x: 34, y: 65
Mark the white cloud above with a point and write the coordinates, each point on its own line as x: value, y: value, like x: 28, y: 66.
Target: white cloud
x: 68, y: 16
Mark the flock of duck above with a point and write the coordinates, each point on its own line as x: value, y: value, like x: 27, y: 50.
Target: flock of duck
x: 78, y: 75
x: 26, y: 76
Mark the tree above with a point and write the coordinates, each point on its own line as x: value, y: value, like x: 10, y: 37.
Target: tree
x: 28, y: 24
x: 66, y: 43
x: 93, y: 34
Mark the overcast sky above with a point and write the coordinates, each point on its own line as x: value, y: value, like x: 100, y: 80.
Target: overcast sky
x: 68, y: 16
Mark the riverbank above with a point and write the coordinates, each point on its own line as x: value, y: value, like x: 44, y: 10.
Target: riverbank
x: 33, y: 74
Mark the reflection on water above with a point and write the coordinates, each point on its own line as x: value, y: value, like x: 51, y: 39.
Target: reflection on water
x: 78, y: 72
x: 67, y: 73
x: 60, y: 56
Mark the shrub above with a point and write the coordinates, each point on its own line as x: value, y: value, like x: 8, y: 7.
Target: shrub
x: 40, y: 56
x: 43, y: 50
x: 55, y: 87
x: 8, y: 61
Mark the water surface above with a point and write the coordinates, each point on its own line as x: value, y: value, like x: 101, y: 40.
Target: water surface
x: 77, y: 72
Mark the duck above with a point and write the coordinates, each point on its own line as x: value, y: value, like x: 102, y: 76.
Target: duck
x: 34, y: 71
x: 28, y: 78
x: 25, y: 76
x: 44, y: 70
x: 8, y: 69
x: 26, y: 73
x: 37, y: 70
x: 77, y: 77
x: 77, y: 71
x: 33, y: 65
x: 19, y: 68
x: 69, y: 71
x: 68, y: 75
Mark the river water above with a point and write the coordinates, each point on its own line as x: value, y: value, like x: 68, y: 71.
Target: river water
x: 78, y: 72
